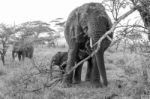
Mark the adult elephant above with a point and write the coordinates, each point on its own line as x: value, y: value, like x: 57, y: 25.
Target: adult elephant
x: 22, y: 50
x: 89, y: 20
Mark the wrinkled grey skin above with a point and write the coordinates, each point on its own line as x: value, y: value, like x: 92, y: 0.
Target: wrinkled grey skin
x: 60, y: 59
x: 22, y: 51
x: 89, y: 20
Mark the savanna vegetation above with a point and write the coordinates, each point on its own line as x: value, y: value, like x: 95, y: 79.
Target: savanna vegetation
x: 127, y: 59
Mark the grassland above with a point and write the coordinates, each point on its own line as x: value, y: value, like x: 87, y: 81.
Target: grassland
x: 22, y: 80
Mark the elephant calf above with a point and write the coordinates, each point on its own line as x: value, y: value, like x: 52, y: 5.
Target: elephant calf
x: 60, y: 59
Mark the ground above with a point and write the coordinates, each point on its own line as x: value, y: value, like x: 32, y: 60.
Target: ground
x: 22, y: 80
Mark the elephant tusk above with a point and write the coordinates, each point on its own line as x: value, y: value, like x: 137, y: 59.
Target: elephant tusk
x: 91, y: 45
x: 109, y: 37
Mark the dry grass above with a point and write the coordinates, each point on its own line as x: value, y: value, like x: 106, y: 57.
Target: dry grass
x: 22, y: 80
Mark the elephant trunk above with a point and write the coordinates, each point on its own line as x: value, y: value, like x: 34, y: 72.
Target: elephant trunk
x: 97, y: 29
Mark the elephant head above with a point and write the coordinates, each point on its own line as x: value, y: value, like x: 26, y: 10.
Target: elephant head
x: 58, y: 59
x: 22, y: 50
x: 87, y: 21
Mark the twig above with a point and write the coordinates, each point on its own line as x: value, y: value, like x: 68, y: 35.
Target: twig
x: 51, y: 84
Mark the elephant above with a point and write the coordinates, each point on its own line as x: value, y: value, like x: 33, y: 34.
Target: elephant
x: 89, y: 21
x: 22, y: 50
x: 60, y: 59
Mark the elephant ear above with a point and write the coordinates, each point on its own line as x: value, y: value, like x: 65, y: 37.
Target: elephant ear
x: 109, y: 23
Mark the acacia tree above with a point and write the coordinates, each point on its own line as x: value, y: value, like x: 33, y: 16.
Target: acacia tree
x: 5, y: 35
x: 36, y: 27
x: 59, y: 23
x: 30, y: 31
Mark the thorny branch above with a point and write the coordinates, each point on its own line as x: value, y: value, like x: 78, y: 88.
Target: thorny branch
x: 24, y: 82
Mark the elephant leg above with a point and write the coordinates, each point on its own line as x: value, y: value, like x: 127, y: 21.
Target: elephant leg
x: 13, y: 55
x: 70, y: 63
x: 19, y: 56
x: 3, y: 59
x: 89, y: 70
x: 23, y: 55
x: 77, y: 74
x: 101, y: 66
x: 31, y: 55
x: 95, y: 76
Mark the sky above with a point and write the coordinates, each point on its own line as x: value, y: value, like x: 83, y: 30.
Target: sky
x: 19, y: 11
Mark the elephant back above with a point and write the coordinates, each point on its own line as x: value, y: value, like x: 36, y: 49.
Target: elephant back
x: 17, y: 46
x: 21, y: 46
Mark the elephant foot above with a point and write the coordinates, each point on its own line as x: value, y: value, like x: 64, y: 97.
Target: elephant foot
x: 96, y: 85
x: 66, y: 85
x: 105, y: 84
x: 67, y: 81
x: 87, y: 79
x: 76, y: 81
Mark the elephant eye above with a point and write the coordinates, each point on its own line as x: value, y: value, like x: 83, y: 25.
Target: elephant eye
x: 54, y: 59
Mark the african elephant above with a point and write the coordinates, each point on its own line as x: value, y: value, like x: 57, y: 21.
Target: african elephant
x: 22, y: 50
x: 87, y: 21
x: 60, y: 59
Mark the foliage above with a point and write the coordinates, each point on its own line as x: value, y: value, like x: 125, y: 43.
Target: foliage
x: 35, y: 28
x: 59, y: 23
x: 5, y: 35
x: 32, y: 31
x: 115, y: 7
x: 143, y: 7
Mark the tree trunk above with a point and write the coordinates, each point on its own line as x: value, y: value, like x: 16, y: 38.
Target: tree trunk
x: 145, y: 15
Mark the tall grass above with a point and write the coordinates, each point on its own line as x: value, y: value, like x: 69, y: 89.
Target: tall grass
x: 25, y: 80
